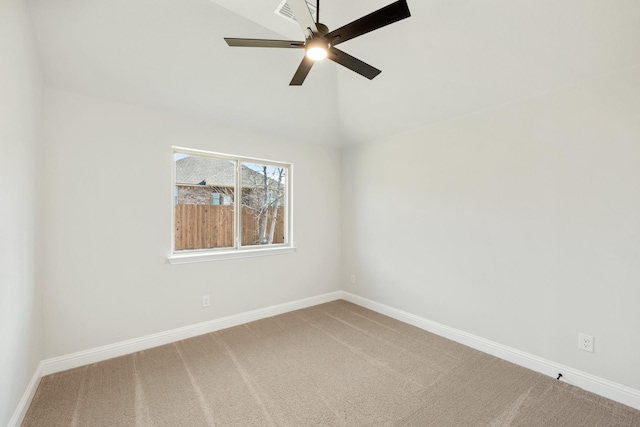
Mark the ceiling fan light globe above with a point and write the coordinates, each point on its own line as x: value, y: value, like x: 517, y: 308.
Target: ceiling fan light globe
x: 316, y: 53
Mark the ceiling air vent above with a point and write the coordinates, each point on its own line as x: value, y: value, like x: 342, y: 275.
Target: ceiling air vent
x: 285, y: 11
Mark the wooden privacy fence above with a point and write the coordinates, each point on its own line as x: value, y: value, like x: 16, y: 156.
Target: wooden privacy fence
x: 211, y: 226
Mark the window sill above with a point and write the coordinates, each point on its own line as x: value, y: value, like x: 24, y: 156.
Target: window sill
x: 191, y: 257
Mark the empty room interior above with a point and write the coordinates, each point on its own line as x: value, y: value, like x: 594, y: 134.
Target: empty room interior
x: 438, y: 224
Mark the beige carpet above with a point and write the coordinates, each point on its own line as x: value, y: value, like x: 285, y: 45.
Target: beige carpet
x: 335, y: 364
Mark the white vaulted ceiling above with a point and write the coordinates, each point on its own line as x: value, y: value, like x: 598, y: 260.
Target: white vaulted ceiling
x: 451, y: 58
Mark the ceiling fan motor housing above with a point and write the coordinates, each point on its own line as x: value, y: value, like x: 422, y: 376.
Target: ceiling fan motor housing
x: 322, y: 29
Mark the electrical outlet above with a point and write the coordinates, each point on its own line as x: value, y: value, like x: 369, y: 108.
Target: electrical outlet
x: 353, y: 278
x: 206, y: 301
x: 585, y: 342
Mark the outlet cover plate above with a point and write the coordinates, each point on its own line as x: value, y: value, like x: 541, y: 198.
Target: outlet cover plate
x: 585, y: 342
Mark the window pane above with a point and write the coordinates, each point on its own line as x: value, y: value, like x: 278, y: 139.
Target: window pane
x: 263, y: 204
x: 204, y: 207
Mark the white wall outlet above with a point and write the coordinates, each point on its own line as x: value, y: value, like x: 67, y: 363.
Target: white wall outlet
x: 352, y: 278
x: 206, y: 301
x: 585, y: 342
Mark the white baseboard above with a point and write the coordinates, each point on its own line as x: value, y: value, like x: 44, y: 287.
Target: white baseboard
x: 27, y: 397
x: 583, y: 380
x: 74, y: 360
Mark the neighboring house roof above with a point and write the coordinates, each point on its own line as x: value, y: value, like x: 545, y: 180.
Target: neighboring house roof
x: 192, y: 170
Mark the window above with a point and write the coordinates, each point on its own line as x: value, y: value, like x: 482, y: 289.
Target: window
x: 227, y: 206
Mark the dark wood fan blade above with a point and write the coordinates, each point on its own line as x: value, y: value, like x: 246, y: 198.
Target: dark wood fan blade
x: 303, y: 16
x: 352, y: 63
x: 301, y: 72
x: 263, y: 43
x: 378, y: 19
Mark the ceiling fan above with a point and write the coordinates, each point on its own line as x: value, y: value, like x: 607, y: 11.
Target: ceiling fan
x: 320, y: 43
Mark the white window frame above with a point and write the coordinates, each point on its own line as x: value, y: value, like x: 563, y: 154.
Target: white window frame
x: 237, y: 251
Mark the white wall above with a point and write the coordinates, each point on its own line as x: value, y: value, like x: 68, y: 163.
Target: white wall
x: 520, y: 224
x: 20, y: 133
x: 107, y: 207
